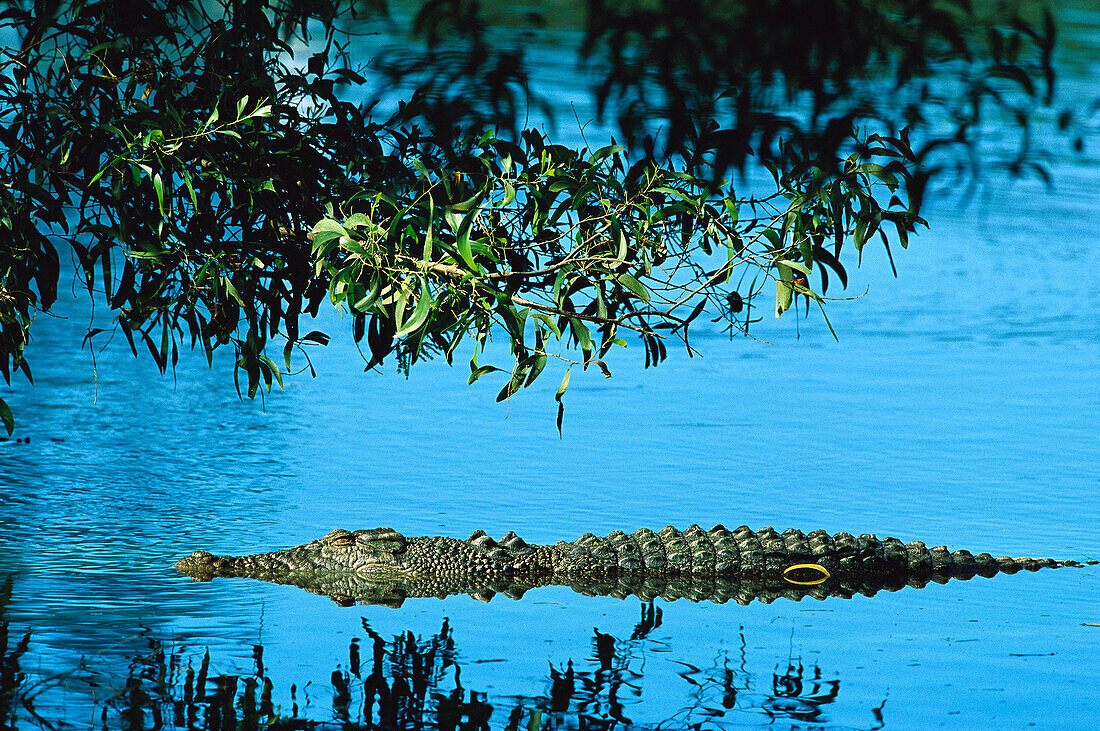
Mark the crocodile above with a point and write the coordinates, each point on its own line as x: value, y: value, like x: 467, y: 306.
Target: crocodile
x: 382, y: 566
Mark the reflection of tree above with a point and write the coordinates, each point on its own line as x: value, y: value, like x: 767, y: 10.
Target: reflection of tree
x: 415, y: 682
x: 402, y: 682
x: 794, y: 692
x: 17, y: 690
x: 798, y: 695
x: 10, y: 676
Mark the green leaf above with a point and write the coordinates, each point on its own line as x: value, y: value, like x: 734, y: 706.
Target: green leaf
x: 477, y: 373
x: 356, y: 220
x: 190, y: 188
x: 564, y: 385
x: 559, y: 280
x: 669, y: 211
x: 560, y: 185
x: 797, y: 265
x: 232, y: 291
x: 783, y: 292
x: 514, y: 320
x: 509, y: 194
x: 580, y: 332
x: 316, y: 336
x: 604, y: 152
x: 349, y: 244
x: 773, y: 237
x: 461, y: 227
x: 323, y: 244
x: 634, y: 286
x: 617, y: 234
x: 420, y: 313
x: 104, y: 169
x: 274, y: 372
x: 426, y: 254
x: 398, y: 302
x: 549, y: 322
x: 330, y: 225
x: 158, y: 185
x: 367, y: 301
x: 859, y: 237
x: 464, y: 249
x: 147, y: 254
x: 561, y: 392
x: 514, y: 383
x: 731, y: 209
x: 536, y: 368
x: 676, y: 193
x: 6, y: 417
x: 421, y: 169
x: 822, y: 308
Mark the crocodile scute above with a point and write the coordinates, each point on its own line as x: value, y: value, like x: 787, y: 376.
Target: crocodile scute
x: 382, y: 566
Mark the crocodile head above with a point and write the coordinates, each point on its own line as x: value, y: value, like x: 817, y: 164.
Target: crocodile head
x: 375, y: 552
x: 365, y: 566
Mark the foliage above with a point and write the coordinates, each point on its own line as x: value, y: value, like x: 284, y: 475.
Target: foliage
x: 551, y: 244
x: 215, y: 188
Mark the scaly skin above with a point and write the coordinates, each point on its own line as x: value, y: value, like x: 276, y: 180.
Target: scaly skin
x: 381, y: 566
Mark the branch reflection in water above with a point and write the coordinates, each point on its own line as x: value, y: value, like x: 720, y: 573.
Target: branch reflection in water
x: 412, y: 682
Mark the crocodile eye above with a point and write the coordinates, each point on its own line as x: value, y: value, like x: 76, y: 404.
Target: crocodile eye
x: 339, y: 537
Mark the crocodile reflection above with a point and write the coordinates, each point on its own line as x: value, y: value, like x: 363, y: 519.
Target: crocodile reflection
x: 382, y: 566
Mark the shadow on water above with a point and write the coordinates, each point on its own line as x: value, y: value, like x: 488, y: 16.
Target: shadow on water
x: 409, y: 682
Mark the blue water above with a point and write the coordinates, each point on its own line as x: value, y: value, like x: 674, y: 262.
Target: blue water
x: 960, y: 406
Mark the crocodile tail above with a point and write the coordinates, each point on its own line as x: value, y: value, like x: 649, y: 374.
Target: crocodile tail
x: 939, y: 564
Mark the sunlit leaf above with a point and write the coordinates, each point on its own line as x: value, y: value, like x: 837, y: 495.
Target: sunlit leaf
x: 633, y: 285
x: 564, y: 384
x: 274, y: 370
x: 537, y: 367
x: 549, y: 322
x: 420, y: 312
x: 796, y: 265
x: 158, y: 185
x: 481, y: 371
x: 232, y: 291
x: 581, y: 334
x: 783, y: 290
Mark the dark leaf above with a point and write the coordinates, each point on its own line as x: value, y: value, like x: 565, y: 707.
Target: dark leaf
x: 9, y: 420
x: 736, y: 304
x: 316, y: 336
